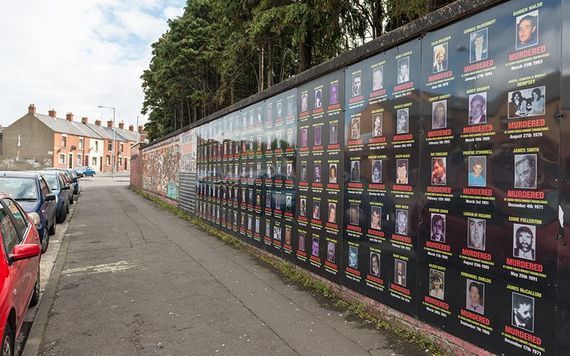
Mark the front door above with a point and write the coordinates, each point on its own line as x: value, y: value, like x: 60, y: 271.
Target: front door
x: 71, y: 160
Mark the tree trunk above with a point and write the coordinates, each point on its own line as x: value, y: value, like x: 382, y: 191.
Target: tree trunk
x: 431, y: 5
x: 305, y: 52
x: 270, y: 64
x: 261, y: 70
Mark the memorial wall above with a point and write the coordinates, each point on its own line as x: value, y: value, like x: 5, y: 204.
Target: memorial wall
x: 426, y: 177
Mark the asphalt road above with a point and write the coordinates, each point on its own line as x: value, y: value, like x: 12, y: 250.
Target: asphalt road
x: 131, y: 278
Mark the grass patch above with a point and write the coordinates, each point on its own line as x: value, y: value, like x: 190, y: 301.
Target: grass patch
x: 300, y: 277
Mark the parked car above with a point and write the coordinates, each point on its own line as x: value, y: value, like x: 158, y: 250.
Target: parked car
x: 58, y: 184
x: 32, y: 192
x: 72, y: 179
x: 19, y: 269
x: 85, y: 171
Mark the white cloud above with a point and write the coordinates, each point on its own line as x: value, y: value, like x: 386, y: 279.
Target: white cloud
x: 73, y: 55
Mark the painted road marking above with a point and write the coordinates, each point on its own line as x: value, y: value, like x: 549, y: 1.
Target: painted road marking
x: 104, y: 268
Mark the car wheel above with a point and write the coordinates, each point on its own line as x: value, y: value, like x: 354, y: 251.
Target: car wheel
x: 52, y: 227
x: 36, y: 296
x: 71, y: 200
x: 8, y: 341
x: 45, y: 240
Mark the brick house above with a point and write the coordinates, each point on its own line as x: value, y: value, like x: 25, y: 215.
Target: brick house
x: 46, y: 140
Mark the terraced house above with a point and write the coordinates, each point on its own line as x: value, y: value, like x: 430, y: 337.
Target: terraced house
x: 36, y: 141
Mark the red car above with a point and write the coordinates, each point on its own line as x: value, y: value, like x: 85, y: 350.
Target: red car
x: 19, y: 269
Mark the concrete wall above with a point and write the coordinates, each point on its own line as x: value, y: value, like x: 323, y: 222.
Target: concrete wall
x: 27, y: 139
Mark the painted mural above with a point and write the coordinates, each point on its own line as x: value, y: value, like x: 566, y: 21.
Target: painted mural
x: 160, y: 168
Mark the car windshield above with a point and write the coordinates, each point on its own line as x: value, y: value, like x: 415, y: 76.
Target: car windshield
x: 19, y: 188
x: 51, y: 181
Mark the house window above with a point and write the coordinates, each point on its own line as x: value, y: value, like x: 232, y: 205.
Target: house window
x: 63, y: 141
x: 110, y: 146
x: 94, y: 161
x: 62, y: 159
x: 125, y: 163
x: 96, y: 146
x: 120, y: 161
x: 79, y: 161
x: 108, y: 160
x: 121, y: 148
x: 81, y: 143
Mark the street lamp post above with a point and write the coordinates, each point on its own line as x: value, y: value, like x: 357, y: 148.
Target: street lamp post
x: 114, y: 139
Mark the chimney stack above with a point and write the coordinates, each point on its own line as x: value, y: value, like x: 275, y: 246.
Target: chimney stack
x: 141, y: 130
x: 84, y: 120
x: 69, y: 116
x: 98, y: 122
x: 52, y: 113
x: 32, y: 109
x: 122, y: 125
x: 110, y: 124
x: 131, y: 128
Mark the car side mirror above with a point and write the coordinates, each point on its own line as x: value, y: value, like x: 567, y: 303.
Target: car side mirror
x: 23, y: 252
x: 50, y: 197
x: 73, y: 180
x: 65, y: 188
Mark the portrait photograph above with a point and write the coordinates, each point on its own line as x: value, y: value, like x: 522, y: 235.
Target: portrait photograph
x: 304, y: 137
x: 289, y: 170
x: 402, y: 171
x: 439, y: 171
x: 333, y: 173
x: 403, y: 75
x: 354, y: 214
x: 527, y: 30
x: 304, y: 102
x: 334, y: 94
x: 257, y: 225
x: 277, y: 233
x: 478, y: 108
x: 476, y: 233
x: 524, y: 241
x: 402, y: 121
x: 356, y: 85
x: 301, y: 242
x: 477, y: 176
x: 333, y: 134
x: 267, y: 228
x: 525, y: 171
x: 290, y: 106
x: 437, y: 284
x: 375, y: 264
x: 440, y: 58
x: 353, y: 256
x: 402, y: 221
x: 355, y: 128
x: 303, y: 172
x: 439, y: 115
x: 475, y: 296
x: 318, y: 98
x: 289, y: 137
x: 317, y: 170
x: 527, y: 102
x: 376, y: 218
x: 318, y: 140
x: 355, y: 171
x: 317, y: 210
x: 478, y: 45
x: 331, y: 251
x: 377, y: 171
x: 377, y: 124
x: 289, y: 203
x: 523, y: 312
x: 400, y: 272
x: 279, y: 109
x: 438, y: 227
x: 288, y: 235
x: 303, y: 207
x: 315, y: 246
x: 377, y: 78
x: 332, y: 213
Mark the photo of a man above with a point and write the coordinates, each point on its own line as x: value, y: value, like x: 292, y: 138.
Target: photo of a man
x: 315, y: 246
x: 354, y: 214
x: 356, y: 85
x: 477, y: 171
x: 304, y: 137
x: 402, y: 171
x: 377, y: 124
x: 333, y: 134
x: 439, y: 171
x: 477, y: 108
x: 523, y: 312
x: 288, y: 235
x: 332, y: 213
x: 527, y: 102
x: 332, y: 173
x: 377, y: 78
x: 289, y: 170
x: 377, y: 171
x: 277, y: 233
x: 355, y: 128
x: 476, y: 233
x: 438, y: 227
x: 527, y: 30
x: 400, y: 271
x: 375, y: 264
x: 279, y: 109
x: 355, y: 171
x: 334, y: 94
x: 318, y: 98
x: 353, y: 256
x: 303, y: 172
x: 301, y: 242
x: 376, y: 218
x: 289, y: 137
x: 403, y: 70
x: 439, y: 115
x: 289, y: 203
x: 524, y: 241
x: 402, y: 221
x: 402, y: 121
x: 475, y: 295
x: 317, y: 173
x: 525, y: 171
x: 304, y: 102
x: 440, y: 58
x: 478, y: 47
x: 318, y: 140
x: 317, y: 210
x: 303, y: 207
x: 331, y: 251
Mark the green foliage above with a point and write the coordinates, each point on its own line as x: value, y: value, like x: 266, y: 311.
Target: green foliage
x: 221, y: 51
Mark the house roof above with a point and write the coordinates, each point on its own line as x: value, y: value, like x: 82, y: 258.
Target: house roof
x: 128, y: 135
x: 65, y: 126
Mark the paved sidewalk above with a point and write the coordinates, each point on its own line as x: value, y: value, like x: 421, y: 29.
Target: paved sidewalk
x: 137, y: 280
